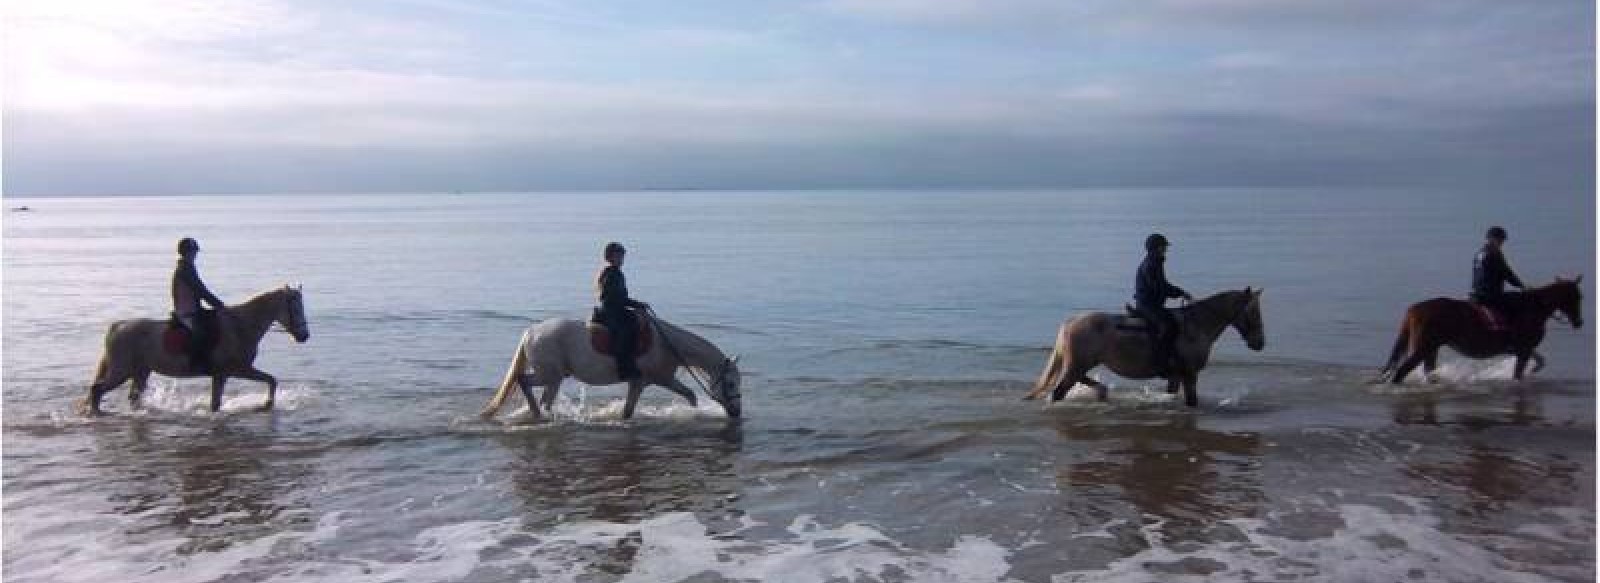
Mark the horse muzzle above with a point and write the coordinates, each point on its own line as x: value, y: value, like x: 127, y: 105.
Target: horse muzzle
x: 301, y: 338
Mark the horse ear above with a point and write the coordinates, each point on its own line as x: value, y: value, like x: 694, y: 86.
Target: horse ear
x: 1578, y: 279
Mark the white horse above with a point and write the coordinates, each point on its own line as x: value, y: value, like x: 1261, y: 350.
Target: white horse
x: 1096, y: 338
x: 134, y: 349
x: 555, y: 349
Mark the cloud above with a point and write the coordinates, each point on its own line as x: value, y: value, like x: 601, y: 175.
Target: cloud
x: 295, y: 96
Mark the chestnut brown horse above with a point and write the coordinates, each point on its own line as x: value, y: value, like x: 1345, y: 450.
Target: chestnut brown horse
x: 1432, y: 324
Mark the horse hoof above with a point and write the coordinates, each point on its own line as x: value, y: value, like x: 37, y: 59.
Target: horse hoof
x: 264, y: 408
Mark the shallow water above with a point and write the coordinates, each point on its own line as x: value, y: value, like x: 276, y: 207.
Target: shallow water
x: 886, y: 338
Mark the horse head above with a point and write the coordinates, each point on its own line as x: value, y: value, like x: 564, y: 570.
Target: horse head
x: 292, y: 314
x: 726, y: 384
x: 1565, y: 296
x: 1248, y: 320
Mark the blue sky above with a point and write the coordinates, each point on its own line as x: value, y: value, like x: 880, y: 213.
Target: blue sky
x: 418, y: 95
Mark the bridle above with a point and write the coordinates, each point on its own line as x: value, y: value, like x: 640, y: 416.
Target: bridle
x: 722, y: 369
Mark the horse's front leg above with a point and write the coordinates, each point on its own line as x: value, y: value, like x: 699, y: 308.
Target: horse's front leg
x: 1191, y: 395
x: 677, y: 386
x: 217, y: 383
x: 1522, y: 364
x: 272, y: 385
x: 635, y: 387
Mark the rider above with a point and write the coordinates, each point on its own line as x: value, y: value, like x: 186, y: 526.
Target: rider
x: 1150, y: 295
x: 614, y: 311
x: 1490, y: 273
x: 187, y: 293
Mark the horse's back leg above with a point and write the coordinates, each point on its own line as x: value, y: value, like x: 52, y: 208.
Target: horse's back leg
x: 1191, y: 394
x: 106, y: 378
x: 217, y: 382
x: 1522, y: 364
x: 141, y: 379
x: 1418, y: 351
x: 1074, y: 374
x: 1430, y: 361
x: 635, y: 387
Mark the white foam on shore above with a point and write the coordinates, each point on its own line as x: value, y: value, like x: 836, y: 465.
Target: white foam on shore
x: 1373, y: 544
x: 669, y: 547
x: 577, y: 408
x: 194, y: 398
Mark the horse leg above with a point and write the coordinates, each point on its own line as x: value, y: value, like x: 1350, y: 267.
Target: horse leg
x: 97, y: 391
x: 1073, y: 376
x: 272, y: 385
x: 525, y: 384
x: 141, y: 379
x: 1538, y: 361
x: 1430, y: 361
x: 1172, y: 385
x: 217, y: 383
x: 682, y: 390
x: 635, y: 387
x: 1191, y: 396
x: 1522, y: 363
x: 1101, y: 391
x: 106, y: 378
x: 550, y: 390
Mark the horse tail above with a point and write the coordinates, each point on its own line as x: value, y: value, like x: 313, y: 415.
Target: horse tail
x: 519, y: 363
x: 1052, y: 369
x: 1401, y: 342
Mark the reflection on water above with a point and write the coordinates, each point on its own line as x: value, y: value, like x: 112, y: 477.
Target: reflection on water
x: 624, y: 473
x: 1167, y: 468
x: 212, y: 487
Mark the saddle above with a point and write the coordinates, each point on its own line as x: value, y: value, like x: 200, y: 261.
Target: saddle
x: 175, y: 339
x: 1132, y: 320
x: 1494, y: 321
x: 600, y: 336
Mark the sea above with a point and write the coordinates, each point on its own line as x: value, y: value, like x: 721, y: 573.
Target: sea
x: 886, y: 339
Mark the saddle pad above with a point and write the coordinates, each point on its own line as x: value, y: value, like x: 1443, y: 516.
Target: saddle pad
x: 600, y: 338
x: 175, y: 340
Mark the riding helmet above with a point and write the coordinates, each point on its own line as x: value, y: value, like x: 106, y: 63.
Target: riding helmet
x: 1155, y: 241
x: 1496, y: 232
x: 614, y: 247
x: 188, y: 245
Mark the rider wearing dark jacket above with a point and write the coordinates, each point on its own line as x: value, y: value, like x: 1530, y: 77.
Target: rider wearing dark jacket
x: 1150, y: 295
x: 614, y: 311
x: 187, y: 294
x: 1491, y: 273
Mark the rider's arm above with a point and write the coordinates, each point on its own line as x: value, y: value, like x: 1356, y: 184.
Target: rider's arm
x: 191, y: 276
x: 1170, y: 291
x: 1511, y: 276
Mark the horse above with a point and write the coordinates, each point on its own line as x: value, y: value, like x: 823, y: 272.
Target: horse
x: 555, y: 349
x: 134, y: 349
x: 1089, y: 340
x: 1432, y: 324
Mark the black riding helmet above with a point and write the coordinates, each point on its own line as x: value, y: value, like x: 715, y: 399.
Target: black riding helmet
x: 1155, y: 241
x: 188, y: 245
x: 614, y: 247
x: 1496, y: 232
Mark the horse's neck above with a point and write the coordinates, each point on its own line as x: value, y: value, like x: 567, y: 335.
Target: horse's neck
x: 1543, y: 302
x: 692, y: 349
x: 1210, y: 316
x: 255, y: 316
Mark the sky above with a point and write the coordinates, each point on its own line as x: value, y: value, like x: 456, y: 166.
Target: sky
x: 279, y: 96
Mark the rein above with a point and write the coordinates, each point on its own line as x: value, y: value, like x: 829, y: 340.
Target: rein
x: 666, y: 340
x: 1236, y: 313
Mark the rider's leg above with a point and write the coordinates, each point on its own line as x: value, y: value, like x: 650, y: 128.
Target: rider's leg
x: 624, y: 336
x: 1169, y: 339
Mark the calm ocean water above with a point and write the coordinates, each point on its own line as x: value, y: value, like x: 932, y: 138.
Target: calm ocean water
x: 886, y: 339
